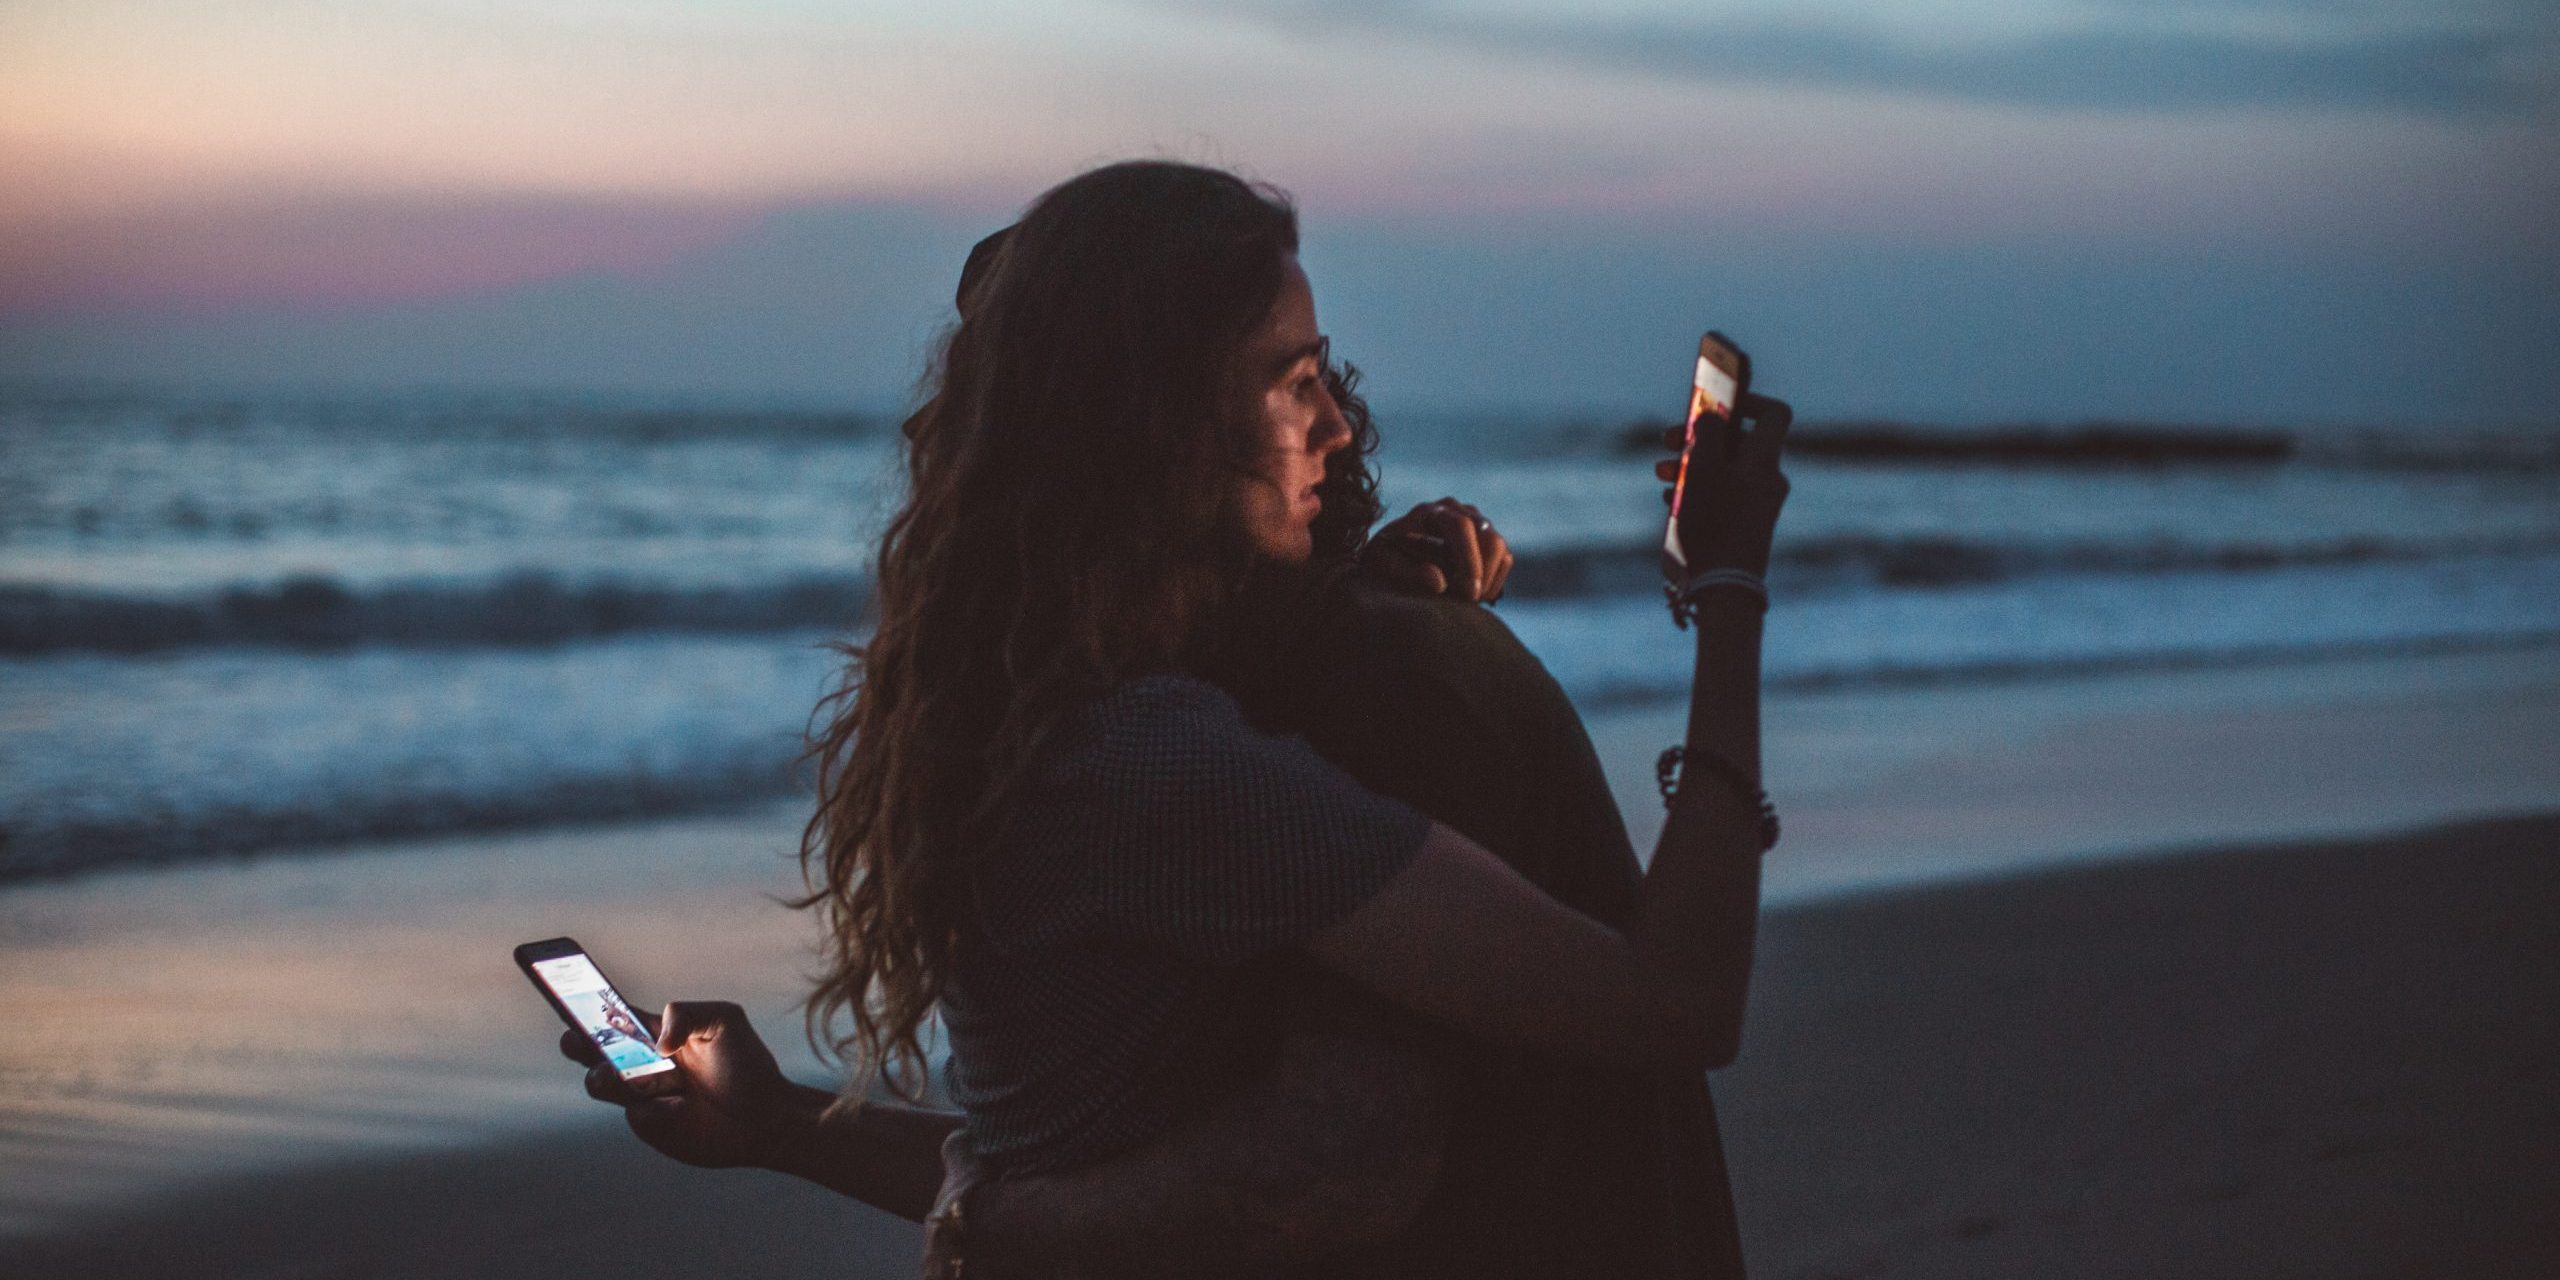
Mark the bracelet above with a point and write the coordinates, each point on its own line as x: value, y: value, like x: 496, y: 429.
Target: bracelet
x: 1684, y: 600
x: 1667, y: 770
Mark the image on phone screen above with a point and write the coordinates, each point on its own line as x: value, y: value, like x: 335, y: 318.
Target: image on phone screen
x: 1712, y: 392
x: 603, y: 1014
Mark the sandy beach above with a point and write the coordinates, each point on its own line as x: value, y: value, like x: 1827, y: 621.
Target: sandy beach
x: 2318, y: 1060
x: 2059, y: 978
x: 2322, y: 1060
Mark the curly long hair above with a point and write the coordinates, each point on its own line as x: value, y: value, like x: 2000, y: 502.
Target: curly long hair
x: 1068, y: 524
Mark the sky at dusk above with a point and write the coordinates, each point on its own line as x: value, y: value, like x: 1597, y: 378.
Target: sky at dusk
x: 2259, y: 211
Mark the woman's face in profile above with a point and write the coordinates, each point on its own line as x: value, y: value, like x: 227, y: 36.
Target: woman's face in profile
x: 1296, y: 423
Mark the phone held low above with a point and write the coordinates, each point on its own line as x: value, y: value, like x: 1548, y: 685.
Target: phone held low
x: 578, y: 991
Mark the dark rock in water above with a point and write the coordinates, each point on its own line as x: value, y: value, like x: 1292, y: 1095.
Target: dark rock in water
x: 319, y: 613
x: 1910, y: 562
x: 305, y: 611
x: 2091, y: 443
x: 1564, y: 572
x: 1644, y: 436
x: 2094, y: 443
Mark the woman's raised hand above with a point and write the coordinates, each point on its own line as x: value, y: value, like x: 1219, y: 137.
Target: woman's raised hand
x: 1441, y: 548
x: 1732, y: 505
x: 735, y: 1107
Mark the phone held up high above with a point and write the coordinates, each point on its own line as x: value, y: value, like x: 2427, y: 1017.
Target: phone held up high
x: 1723, y: 377
x: 562, y: 971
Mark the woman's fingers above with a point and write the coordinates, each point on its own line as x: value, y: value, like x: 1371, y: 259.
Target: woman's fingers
x: 1493, y: 553
x: 1443, y: 548
x: 577, y: 1048
x: 1461, y: 526
x: 659, y: 1121
x: 686, y: 1019
x: 604, y: 1084
x: 1769, y: 418
x: 1734, y: 501
x: 1497, y: 568
x: 1447, y: 533
x: 1407, y: 559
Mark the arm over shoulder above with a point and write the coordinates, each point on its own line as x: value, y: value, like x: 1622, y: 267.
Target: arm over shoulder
x: 1460, y: 936
x: 1221, y: 841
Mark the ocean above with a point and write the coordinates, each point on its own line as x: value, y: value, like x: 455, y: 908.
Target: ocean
x: 237, y: 623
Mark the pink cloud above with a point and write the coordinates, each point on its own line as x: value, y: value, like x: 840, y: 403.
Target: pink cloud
x: 349, y: 250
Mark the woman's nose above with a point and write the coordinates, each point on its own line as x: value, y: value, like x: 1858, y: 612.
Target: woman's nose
x: 1332, y: 430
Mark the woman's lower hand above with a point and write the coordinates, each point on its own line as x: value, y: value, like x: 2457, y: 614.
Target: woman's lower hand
x: 946, y: 1229
x: 1441, y: 548
x: 735, y: 1108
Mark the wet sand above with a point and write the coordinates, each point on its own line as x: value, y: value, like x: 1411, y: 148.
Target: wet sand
x: 191, y: 1026
x: 2325, y: 1060
x: 2322, y: 1060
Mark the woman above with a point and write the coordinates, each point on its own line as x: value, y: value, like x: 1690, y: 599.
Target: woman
x: 1033, y: 816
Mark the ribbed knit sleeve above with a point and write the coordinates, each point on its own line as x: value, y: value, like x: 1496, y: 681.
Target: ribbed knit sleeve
x: 1220, y: 841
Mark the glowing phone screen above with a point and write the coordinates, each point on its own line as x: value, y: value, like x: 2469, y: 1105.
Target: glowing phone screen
x: 1711, y: 396
x: 603, y: 1014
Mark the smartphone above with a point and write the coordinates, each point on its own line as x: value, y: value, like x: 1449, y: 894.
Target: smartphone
x: 1722, y: 378
x: 567, y: 977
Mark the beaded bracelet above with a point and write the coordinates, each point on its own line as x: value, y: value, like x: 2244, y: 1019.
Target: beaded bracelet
x: 1667, y: 770
x: 1684, y: 599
